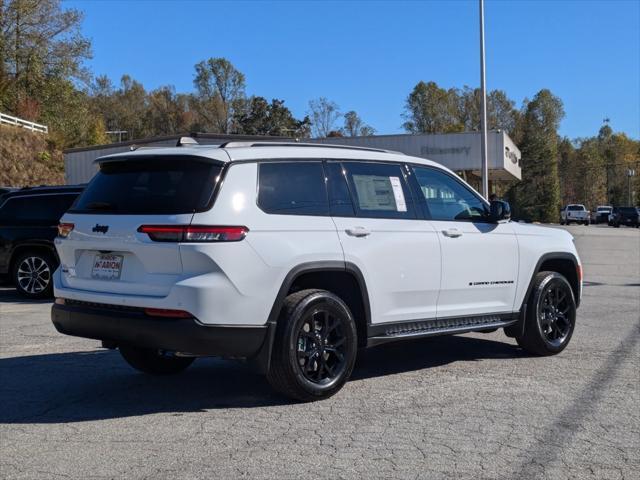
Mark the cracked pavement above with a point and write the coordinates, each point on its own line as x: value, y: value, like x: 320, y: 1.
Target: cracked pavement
x: 470, y: 406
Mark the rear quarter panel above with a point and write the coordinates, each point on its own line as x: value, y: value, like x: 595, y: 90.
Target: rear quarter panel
x: 245, y: 276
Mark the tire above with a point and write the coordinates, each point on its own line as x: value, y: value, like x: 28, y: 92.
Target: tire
x: 551, y: 315
x: 310, y: 322
x: 32, y: 273
x: 153, y: 361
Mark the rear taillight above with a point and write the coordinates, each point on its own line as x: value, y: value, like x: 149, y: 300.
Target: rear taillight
x: 194, y: 233
x: 64, y: 229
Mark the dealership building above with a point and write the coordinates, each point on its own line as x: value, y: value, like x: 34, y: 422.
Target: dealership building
x: 461, y: 152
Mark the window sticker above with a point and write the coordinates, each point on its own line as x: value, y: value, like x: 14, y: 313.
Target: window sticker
x: 401, y: 205
x: 375, y: 192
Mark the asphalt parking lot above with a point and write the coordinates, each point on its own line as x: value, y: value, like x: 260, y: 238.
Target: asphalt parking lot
x: 470, y: 406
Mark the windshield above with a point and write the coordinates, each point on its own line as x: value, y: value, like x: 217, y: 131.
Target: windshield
x: 164, y: 185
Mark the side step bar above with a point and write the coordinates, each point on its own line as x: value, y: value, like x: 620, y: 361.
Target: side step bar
x: 391, y: 332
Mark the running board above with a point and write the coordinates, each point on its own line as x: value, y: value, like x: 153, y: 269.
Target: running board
x: 391, y: 332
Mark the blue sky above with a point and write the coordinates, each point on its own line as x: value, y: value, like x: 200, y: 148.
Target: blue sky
x: 367, y: 56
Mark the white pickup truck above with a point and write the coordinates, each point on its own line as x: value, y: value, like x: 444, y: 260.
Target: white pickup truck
x: 575, y: 213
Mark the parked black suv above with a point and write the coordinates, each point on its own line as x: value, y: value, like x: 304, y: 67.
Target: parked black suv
x: 628, y: 216
x: 28, y: 224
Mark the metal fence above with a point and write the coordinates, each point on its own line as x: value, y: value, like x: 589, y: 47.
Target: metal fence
x: 19, y: 122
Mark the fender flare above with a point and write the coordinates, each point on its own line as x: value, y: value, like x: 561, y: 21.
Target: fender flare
x: 517, y: 329
x: 263, y: 358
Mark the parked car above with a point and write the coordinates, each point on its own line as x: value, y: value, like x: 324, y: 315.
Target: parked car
x: 5, y: 190
x: 624, y: 216
x: 576, y: 213
x: 28, y: 224
x: 601, y: 214
x: 295, y: 256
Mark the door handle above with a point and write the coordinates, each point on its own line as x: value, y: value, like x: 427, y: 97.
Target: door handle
x: 452, y: 233
x: 358, y: 231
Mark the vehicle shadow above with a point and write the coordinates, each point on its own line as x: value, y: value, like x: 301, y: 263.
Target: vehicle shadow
x: 93, y: 385
x: 9, y: 294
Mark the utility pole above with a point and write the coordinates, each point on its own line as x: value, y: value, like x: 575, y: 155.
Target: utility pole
x: 483, y: 110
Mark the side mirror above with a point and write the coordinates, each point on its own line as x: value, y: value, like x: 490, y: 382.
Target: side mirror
x: 499, y: 211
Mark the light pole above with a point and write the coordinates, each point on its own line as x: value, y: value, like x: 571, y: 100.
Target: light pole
x: 483, y: 109
x: 630, y: 173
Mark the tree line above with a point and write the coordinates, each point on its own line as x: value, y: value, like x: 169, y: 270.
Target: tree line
x: 556, y: 170
x: 43, y: 78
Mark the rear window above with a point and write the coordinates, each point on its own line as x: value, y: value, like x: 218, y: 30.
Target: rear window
x: 628, y: 210
x: 167, y: 185
x: 576, y: 207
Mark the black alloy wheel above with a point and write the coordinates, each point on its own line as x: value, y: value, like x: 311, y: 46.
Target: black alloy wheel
x: 315, y: 346
x: 550, y: 315
x: 321, y: 346
x: 554, y: 311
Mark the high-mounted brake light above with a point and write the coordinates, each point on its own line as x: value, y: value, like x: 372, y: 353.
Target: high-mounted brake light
x: 194, y: 233
x: 64, y: 229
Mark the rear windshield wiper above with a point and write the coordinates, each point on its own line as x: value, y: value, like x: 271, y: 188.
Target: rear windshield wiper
x: 100, y: 206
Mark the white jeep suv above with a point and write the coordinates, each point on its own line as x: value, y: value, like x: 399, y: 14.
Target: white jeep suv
x: 294, y: 256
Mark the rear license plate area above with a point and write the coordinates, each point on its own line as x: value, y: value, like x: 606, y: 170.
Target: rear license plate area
x: 107, y: 266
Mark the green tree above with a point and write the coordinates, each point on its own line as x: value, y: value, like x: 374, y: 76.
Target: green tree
x: 537, y: 196
x: 259, y: 117
x: 219, y: 92
x: 41, y: 47
x: 324, y: 114
x: 355, y: 127
x: 568, y: 171
x: 166, y: 112
x: 431, y: 109
x: 501, y: 111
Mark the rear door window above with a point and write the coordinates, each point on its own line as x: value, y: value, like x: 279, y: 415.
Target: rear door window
x: 339, y: 198
x: 36, y: 209
x: 158, y: 185
x: 379, y: 190
x: 292, y: 188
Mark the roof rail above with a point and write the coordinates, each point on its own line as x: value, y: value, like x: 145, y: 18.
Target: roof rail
x: 233, y: 144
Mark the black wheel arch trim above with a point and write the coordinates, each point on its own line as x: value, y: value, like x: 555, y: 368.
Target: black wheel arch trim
x: 517, y: 329
x: 322, y: 266
x: 263, y: 358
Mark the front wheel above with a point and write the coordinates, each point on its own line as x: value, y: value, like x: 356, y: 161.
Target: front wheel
x: 315, y: 346
x: 153, y: 361
x: 551, y: 315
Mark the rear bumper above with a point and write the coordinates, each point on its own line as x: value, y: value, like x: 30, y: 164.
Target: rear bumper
x: 134, y: 327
